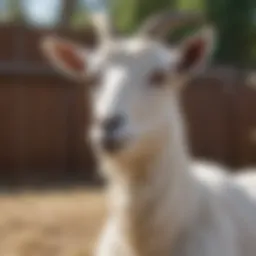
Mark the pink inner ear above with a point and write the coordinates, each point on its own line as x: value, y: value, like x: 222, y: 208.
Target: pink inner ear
x: 193, y: 53
x: 69, y: 56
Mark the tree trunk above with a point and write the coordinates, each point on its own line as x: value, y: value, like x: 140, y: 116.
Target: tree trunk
x: 67, y: 12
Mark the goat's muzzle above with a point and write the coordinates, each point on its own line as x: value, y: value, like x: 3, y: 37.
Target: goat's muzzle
x: 109, y: 129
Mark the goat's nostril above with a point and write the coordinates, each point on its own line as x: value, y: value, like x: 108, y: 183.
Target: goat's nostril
x: 112, y: 123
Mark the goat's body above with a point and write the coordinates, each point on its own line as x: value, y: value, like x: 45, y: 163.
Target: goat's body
x: 215, y: 216
x: 226, y: 219
x: 180, y: 208
x: 161, y: 203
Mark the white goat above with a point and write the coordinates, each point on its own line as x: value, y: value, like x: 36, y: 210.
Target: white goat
x: 161, y: 202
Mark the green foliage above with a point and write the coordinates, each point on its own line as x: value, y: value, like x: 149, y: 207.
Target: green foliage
x: 14, y: 11
x: 124, y: 14
x: 128, y: 15
x: 233, y: 20
x: 252, y: 59
x: 79, y: 19
x: 191, y: 4
x: 147, y: 8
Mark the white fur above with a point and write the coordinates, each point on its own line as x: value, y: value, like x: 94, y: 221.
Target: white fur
x: 161, y: 202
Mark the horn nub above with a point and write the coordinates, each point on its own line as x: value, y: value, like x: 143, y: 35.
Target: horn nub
x: 103, y: 25
x: 159, y: 26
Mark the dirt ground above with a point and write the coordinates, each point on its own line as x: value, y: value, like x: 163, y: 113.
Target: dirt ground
x: 62, y: 223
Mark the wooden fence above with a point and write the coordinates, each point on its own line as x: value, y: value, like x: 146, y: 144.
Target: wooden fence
x: 44, y: 118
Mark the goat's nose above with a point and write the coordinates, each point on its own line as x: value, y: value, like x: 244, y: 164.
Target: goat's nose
x: 110, y: 140
x: 112, y: 124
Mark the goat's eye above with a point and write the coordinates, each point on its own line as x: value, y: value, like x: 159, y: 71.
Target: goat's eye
x: 157, y: 78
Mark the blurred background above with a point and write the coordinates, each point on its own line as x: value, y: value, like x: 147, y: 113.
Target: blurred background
x: 44, y: 117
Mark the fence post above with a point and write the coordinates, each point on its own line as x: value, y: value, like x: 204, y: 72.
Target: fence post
x: 67, y: 11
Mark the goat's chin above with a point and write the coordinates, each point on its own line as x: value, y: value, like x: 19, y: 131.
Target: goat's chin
x: 132, y: 154
x: 136, y: 154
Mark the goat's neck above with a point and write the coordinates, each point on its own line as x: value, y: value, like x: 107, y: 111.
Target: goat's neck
x: 153, y: 209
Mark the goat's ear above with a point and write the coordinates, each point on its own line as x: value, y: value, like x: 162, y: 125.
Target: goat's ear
x: 68, y: 57
x: 196, y: 51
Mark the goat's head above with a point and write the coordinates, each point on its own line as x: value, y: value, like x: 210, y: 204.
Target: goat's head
x: 137, y: 81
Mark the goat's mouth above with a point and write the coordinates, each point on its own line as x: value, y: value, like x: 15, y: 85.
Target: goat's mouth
x: 109, y: 144
x: 112, y: 145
